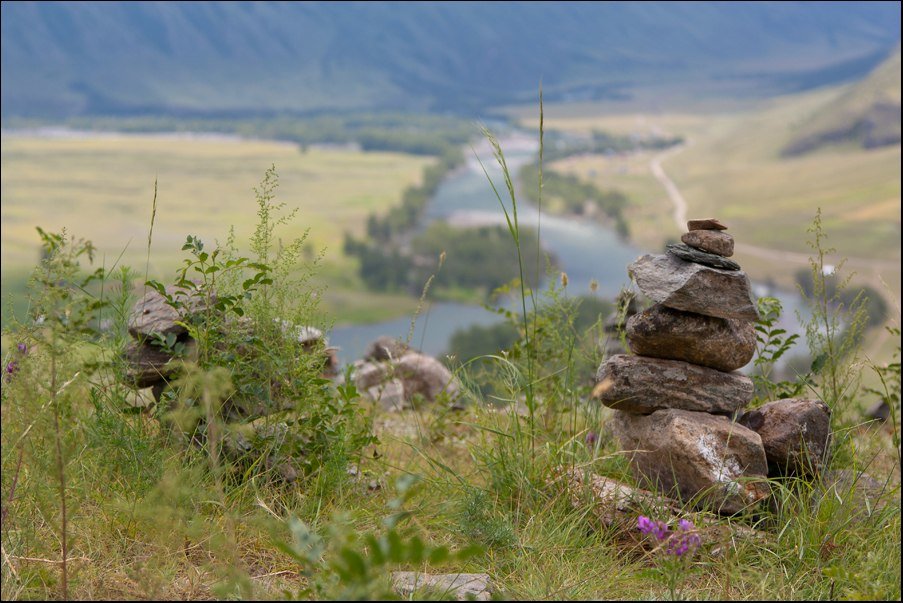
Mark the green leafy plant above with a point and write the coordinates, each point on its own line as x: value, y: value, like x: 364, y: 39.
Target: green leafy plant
x: 772, y: 342
x: 352, y: 567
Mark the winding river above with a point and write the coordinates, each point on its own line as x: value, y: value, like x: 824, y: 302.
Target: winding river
x: 586, y: 250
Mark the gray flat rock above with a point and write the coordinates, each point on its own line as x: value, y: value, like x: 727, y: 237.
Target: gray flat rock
x: 639, y: 385
x: 693, y: 287
x: 685, y: 252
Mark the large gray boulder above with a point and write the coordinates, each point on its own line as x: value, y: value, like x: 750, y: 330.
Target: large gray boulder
x: 795, y: 433
x: 712, y: 461
x: 693, y: 287
x: 725, y: 344
x: 639, y: 385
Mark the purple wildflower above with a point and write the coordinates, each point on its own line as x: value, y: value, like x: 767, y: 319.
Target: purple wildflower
x: 12, y: 367
x: 23, y: 349
x: 591, y: 438
x: 687, y: 541
x: 659, y: 529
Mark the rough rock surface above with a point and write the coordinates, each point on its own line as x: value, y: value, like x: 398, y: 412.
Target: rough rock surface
x: 419, y: 375
x: 386, y: 348
x: 151, y: 314
x: 616, y: 504
x: 685, y: 252
x: 712, y: 241
x: 794, y: 432
x: 710, y: 460
x: 720, y: 343
x: 693, y: 287
x: 705, y: 224
x: 148, y: 365
x: 426, y: 376
x: 644, y: 385
x: 390, y: 394
x: 460, y: 587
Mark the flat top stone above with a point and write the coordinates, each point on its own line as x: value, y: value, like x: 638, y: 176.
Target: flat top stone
x: 712, y: 241
x: 705, y: 224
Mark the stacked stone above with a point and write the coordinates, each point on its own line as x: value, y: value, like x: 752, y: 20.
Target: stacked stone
x: 675, y: 399
x: 152, y: 319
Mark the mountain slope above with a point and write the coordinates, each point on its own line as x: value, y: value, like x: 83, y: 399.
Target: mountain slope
x: 867, y: 114
x: 61, y: 59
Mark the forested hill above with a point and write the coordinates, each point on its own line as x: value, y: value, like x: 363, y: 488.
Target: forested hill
x: 203, y: 58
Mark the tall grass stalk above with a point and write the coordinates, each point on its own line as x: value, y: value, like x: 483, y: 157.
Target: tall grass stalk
x: 513, y: 224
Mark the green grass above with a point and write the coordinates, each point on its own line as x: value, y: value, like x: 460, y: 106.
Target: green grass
x: 149, y: 518
x: 101, y: 188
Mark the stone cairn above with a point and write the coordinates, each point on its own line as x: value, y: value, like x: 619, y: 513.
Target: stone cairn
x: 675, y: 400
x: 252, y: 428
x: 150, y: 365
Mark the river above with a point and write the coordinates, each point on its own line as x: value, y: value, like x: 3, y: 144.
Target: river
x: 586, y: 250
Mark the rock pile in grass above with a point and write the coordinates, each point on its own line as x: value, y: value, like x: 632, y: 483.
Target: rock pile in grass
x: 676, y: 398
x: 396, y: 377
x: 161, y: 342
x: 162, y: 345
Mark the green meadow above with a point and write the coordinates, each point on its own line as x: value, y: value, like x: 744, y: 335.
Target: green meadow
x: 101, y: 188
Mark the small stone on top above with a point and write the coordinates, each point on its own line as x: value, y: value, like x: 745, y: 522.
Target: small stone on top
x: 706, y: 224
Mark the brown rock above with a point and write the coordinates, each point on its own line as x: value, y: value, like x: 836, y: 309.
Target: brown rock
x: 706, y: 224
x: 711, y: 461
x: 639, y: 385
x: 725, y: 344
x: 794, y: 432
x: 712, y: 241
x: 693, y: 287
x: 147, y: 365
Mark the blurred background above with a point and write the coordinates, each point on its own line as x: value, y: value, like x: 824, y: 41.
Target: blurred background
x: 755, y: 113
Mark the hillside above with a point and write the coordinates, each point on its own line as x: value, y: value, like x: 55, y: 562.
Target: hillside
x: 207, y: 58
x: 867, y: 114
